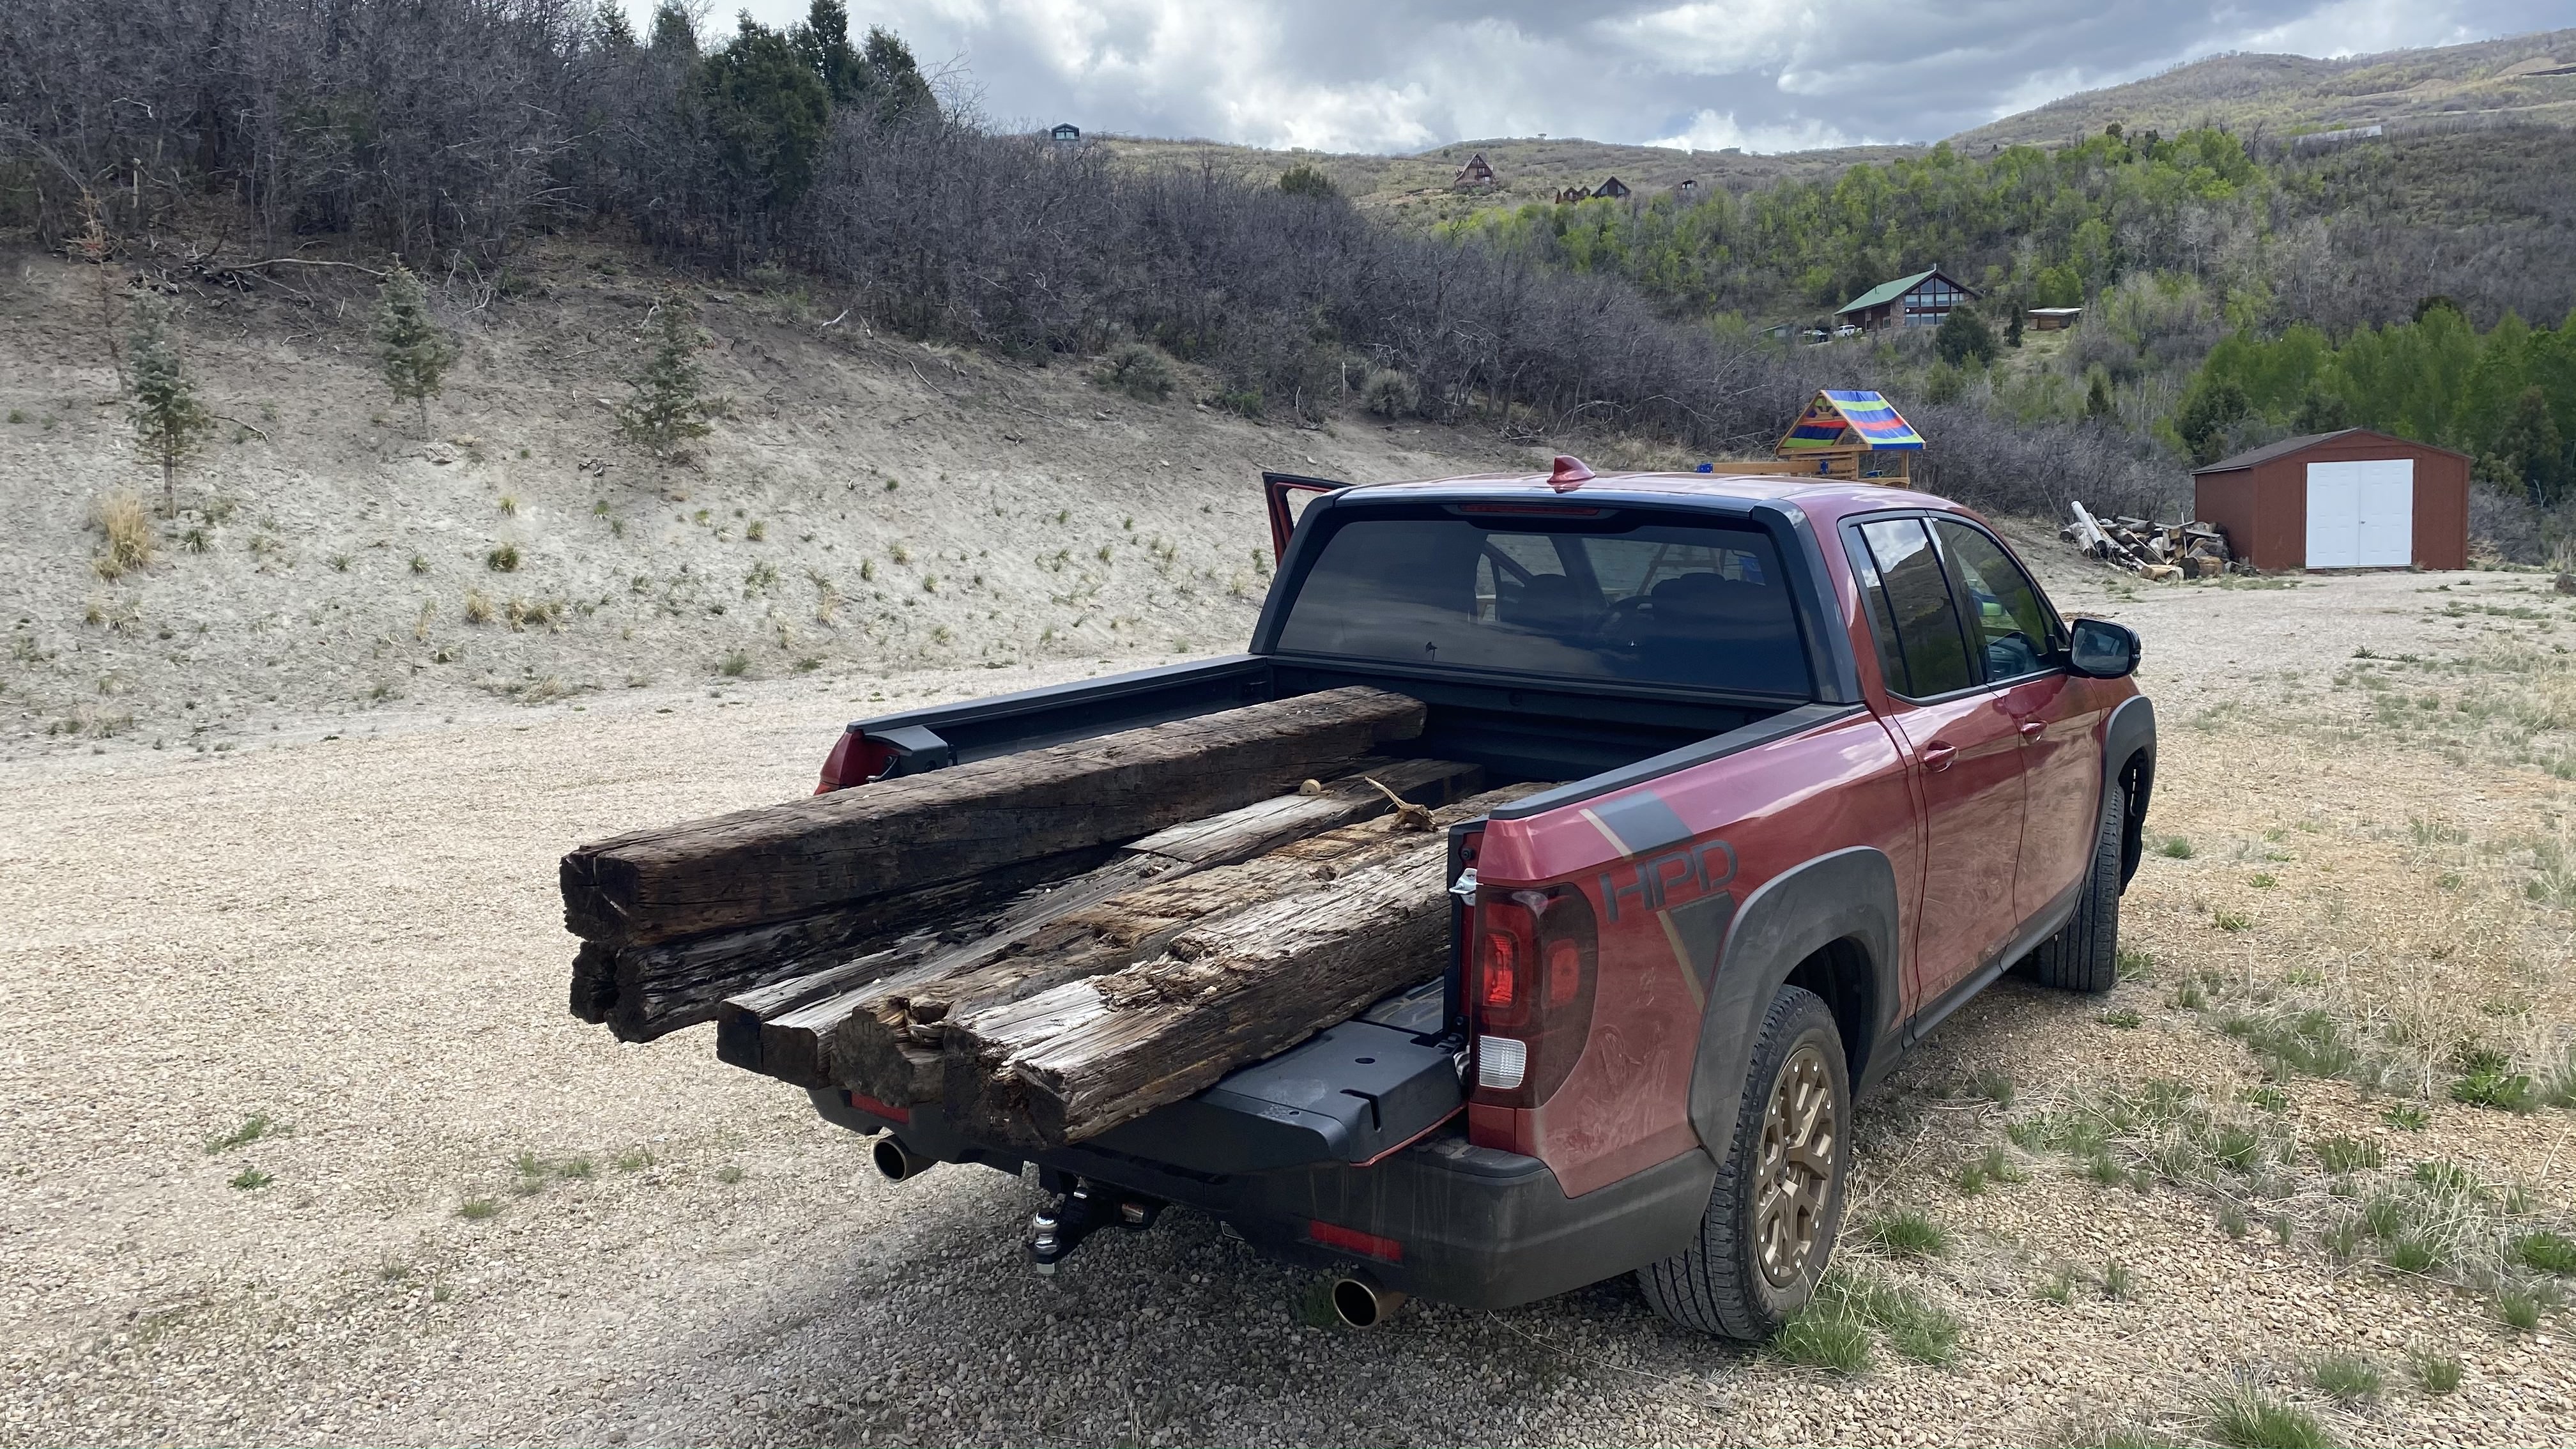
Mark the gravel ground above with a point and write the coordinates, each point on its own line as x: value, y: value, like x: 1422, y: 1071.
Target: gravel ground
x: 358, y: 939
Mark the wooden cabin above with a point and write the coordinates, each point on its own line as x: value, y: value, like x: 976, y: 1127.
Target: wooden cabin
x: 1613, y: 189
x: 1921, y: 300
x: 2053, y: 319
x: 1476, y: 175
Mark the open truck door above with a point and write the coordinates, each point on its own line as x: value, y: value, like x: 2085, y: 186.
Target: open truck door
x: 1284, y: 496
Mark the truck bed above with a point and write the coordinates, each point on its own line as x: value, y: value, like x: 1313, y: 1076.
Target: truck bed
x: 1517, y: 732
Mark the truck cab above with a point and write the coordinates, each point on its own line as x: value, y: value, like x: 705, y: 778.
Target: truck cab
x: 1820, y: 761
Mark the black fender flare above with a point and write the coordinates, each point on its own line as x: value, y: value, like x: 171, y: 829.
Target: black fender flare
x: 1847, y: 894
x: 2130, y: 731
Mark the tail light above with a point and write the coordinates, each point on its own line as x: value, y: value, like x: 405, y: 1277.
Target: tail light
x: 855, y: 760
x: 1529, y: 991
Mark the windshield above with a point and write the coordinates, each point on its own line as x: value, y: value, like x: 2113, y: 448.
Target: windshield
x: 1700, y: 606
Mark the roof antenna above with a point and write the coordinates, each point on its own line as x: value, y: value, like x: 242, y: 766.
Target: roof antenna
x: 1568, y: 474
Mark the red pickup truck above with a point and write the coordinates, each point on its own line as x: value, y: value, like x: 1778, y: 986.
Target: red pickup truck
x: 1834, y: 764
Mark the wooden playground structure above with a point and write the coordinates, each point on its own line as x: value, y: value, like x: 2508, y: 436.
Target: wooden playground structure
x: 1850, y: 435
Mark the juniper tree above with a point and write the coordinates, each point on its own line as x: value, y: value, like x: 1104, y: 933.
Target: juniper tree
x: 665, y: 402
x: 410, y: 348
x: 169, y: 422
x: 2529, y: 444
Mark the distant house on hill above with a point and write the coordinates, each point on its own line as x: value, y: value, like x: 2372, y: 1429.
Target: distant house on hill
x: 2054, y: 319
x: 1688, y: 191
x: 1573, y: 194
x: 1476, y: 175
x: 1066, y: 134
x: 1921, y: 300
x: 1614, y: 188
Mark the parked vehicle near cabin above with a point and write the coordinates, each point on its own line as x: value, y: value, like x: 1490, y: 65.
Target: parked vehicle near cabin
x: 1832, y: 762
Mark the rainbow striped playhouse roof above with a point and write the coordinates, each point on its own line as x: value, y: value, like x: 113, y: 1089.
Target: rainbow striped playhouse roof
x: 1849, y: 420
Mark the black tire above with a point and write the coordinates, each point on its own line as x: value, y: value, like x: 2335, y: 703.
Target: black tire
x: 2084, y: 955
x: 1720, y: 1284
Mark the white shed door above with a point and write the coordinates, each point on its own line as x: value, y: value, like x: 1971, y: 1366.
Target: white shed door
x: 2361, y: 515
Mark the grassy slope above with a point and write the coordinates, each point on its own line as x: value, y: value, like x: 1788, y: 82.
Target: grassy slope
x: 2279, y: 93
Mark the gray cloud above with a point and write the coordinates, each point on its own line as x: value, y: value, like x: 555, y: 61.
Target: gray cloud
x: 1402, y: 75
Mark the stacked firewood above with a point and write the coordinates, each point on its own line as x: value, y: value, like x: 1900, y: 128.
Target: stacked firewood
x: 1047, y: 943
x: 2151, y: 550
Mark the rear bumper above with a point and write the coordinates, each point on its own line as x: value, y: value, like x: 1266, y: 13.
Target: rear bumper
x: 1441, y: 1219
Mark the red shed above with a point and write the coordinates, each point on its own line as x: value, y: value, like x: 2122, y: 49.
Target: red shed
x: 2345, y: 500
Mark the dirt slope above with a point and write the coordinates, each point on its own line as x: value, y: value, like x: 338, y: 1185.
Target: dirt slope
x: 870, y: 505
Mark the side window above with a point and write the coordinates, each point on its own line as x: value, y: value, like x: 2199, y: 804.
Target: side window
x: 1882, y: 624
x: 1918, y: 600
x: 2012, y: 628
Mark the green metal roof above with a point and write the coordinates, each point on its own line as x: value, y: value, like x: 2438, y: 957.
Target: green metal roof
x: 1887, y: 291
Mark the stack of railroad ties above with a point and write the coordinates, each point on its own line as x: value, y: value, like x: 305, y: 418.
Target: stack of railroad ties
x: 2154, y: 551
x: 1047, y: 943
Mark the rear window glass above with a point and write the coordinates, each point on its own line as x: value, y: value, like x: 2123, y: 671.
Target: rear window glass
x: 1651, y: 603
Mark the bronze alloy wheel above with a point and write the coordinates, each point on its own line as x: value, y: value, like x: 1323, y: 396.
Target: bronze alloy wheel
x: 1797, y: 1169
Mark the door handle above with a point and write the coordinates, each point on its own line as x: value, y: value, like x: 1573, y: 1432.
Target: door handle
x: 2030, y: 728
x: 1938, y: 755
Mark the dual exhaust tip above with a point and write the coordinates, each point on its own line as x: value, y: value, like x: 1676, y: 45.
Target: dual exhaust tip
x: 1360, y: 1301
x: 898, y: 1162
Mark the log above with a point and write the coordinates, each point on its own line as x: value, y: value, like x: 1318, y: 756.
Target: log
x: 646, y: 992
x: 1067, y: 1063
x: 649, y: 991
x: 881, y: 1035
x: 777, y: 861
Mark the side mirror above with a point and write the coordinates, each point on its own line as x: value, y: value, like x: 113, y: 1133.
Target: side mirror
x: 2104, y: 650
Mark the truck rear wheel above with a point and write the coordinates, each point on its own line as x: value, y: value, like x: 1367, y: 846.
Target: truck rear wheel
x: 1769, y: 1228
x: 2084, y: 955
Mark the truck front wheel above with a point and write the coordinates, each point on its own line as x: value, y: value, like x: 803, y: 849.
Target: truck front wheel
x: 2084, y: 955
x: 1769, y: 1228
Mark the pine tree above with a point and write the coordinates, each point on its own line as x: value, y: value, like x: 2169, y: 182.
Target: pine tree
x: 766, y: 111
x: 2206, y: 415
x: 666, y: 404
x: 2097, y: 395
x: 824, y: 41
x: 674, y: 33
x: 169, y: 422
x: 409, y: 347
x: 1962, y: 336
x: 2530, y: 445
x: 902, y: 93
x: 2321, y: 412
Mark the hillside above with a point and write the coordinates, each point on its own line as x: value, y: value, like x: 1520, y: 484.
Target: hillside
x: 2528, y: 78
x: 2524, y: 77
x: 871, y: 506
x: 1416, y: 188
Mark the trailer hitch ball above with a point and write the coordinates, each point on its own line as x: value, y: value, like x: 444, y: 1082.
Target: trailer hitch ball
x: 898, y: 1162
x: 1059, y: 1227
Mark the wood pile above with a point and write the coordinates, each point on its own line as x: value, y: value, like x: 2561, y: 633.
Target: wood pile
x: 2151, y: 550
x: 1050, y: 942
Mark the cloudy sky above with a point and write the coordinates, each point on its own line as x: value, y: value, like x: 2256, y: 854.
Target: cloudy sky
x: 1766, y: 75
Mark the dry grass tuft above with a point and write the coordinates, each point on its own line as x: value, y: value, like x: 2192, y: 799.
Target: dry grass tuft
x: 126, y: 527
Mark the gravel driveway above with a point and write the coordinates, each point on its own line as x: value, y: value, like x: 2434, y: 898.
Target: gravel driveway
x: 357, y: 940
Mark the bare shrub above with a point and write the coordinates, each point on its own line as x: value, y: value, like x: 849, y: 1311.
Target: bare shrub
x: 1138, y: 371
x: 1390, y: 393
